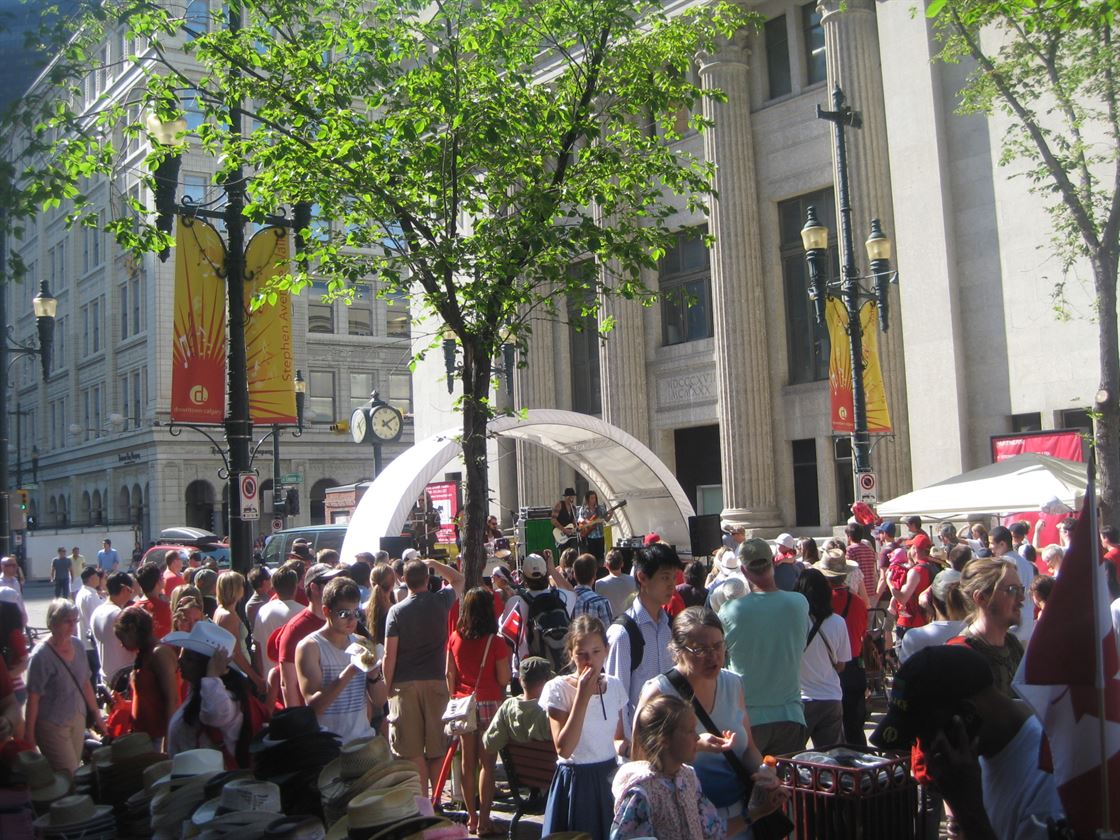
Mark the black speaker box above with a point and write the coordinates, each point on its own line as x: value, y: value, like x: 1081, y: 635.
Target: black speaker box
x: 705, y: 535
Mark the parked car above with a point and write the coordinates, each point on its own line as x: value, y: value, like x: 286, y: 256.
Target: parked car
x: 277, y: 546
x: 187, y: 540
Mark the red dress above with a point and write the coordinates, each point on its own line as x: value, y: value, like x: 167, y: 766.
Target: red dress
x: 149, y: 707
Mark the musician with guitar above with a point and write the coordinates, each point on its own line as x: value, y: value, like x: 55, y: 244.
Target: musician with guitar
x: 589, y: 523
x: 564, y: 521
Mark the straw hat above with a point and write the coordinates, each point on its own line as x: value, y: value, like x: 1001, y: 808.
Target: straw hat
x: 379, y: 814
x: 356, y: 758
x: 834, y: 564
x: 190, y: 766
x: 77, y: 815
x: 295, y: 828
x: 45, y: 784
x: 240, y: 796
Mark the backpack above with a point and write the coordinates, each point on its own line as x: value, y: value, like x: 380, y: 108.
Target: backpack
x: 548, y: 627
x: 637, y: 640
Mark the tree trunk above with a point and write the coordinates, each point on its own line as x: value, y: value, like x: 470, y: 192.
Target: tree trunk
x: 477, y: 365
x: 1106, y: 435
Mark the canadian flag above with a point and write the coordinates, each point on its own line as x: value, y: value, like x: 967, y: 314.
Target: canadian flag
x: 1069, y: 671
x: 511, y: 627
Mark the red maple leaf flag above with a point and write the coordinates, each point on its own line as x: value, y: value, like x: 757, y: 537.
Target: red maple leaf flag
x: 1071, y: 668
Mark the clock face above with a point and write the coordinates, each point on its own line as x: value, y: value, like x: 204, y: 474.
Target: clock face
x: 359, y: 425
x: 385, y: 422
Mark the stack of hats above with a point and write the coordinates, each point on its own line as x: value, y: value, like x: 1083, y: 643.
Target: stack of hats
x: 295, y: 828
x: 393, y: 814
x: 290, y: 752
x: 76, y: 817
x: 133, y: 817
x: 363, y: 765
x: 244, y: 807
x: 118, y: 769
x: 43, y: 783
x: 176, y: 795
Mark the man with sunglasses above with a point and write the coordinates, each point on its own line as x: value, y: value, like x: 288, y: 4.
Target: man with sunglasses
x: 299, y: 627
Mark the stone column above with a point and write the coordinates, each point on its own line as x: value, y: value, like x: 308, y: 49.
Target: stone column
x: 852, y: 52
x: 622, y: 364
x: 538, y: 472
x: 744, y: 405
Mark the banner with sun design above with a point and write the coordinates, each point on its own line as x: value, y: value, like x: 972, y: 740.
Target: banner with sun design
x: 840, y: 369
x: 268, y: 332
x: 198, y: 372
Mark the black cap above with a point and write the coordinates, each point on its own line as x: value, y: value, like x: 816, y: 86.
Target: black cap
x: 931, y: 680
x: 569, y: 491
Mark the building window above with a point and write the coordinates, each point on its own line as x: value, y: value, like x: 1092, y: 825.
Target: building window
x: 685, y: 285
x: 1077, y: 418
x: 197, y: 18
x: 815, y: 65
x: 806, y: 499
x: 359, y: 317
x: 320, y: 395
x: 320, y: 317
x: 400, y: 391
x: 361, y: 386
x: 397, y: 318
x: 194, y: 188
x: 1028, y: 422
x: 583, y: 343
x: 136, y: 400
x: 807, y: 342
x: 776, y: 39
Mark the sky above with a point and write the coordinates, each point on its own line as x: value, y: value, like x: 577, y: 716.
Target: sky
x: 18, y: 65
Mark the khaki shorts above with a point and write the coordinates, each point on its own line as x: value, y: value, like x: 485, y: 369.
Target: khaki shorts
x: 416, y: 719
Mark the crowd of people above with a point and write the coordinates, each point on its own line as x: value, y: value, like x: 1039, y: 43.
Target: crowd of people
x: 662, y: 688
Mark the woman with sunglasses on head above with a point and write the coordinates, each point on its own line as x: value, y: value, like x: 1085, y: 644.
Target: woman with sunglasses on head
x: 993, y: 596
x: 698, y: 649
x: 330, y: 681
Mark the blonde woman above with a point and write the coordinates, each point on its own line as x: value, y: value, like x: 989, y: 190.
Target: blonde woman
x: 994, y: 595
x: 230, y: 591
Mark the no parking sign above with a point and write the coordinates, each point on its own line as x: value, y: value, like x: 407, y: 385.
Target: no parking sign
x: 867, y: 487
x: 250, y: 507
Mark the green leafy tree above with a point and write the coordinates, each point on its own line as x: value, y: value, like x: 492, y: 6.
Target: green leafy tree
x: 1051, y: 67
x: 465, y: 153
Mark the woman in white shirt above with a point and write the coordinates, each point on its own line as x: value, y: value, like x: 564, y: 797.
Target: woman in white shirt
x: 827, y: 650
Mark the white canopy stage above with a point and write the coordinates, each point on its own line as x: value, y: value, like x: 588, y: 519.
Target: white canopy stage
x: 1019, y: 483
x: 615, y: 463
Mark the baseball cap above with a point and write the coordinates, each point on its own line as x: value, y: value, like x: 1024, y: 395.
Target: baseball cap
x: 410, y: 554
x: 786, y: 541
x: 921, y: 542
x: 927, y: 686
x: 321, y: 572
x: 650, y: 539
x: 533, y: 567
x: 885, y: 527
x: 535, y: 669
x: 945, y: 581
x: 755, y: 555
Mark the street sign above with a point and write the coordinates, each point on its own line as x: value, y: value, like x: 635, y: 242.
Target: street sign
x: 277, y: 525
x: 867, y: 484
x: 250, y: 507
x: 291, y: 478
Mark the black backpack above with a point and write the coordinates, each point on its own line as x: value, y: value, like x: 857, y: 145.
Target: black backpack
x: 637, y: 640
x: 548, y: 627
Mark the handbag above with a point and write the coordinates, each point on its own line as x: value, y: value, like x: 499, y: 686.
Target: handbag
x: 91, y: 715
x: 461, y: 715
x: 774, y: 825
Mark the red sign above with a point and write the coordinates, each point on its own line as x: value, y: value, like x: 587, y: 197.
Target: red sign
x: 1067, y: 444
x: 445, y: 498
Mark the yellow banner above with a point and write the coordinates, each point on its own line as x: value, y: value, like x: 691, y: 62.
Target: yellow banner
x: 268, y: 332
x: 198, y: 373
x: 840, y: 369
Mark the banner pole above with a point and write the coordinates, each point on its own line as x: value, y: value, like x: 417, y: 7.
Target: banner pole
x: 1099, y: 608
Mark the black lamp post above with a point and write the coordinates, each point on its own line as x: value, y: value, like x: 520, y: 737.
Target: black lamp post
x: 849, y: 288
x: 279, y: 503
x: 45, y: 306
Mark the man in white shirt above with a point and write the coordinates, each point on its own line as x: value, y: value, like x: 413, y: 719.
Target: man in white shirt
x: 9, y: 579
x: 1001, y: 542
x: 88, y: 598
x: 110, y: 651
x: 275, y: 613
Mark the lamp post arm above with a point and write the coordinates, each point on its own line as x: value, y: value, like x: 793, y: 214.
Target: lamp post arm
x: 176, y: 429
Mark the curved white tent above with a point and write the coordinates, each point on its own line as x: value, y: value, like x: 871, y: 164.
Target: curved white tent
x: 616, y: 463
x: 1020, y: 483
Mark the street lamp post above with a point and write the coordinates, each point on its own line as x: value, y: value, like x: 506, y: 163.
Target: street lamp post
x: 849, y: 288
x: 279, y: 504
x: 44, y: 306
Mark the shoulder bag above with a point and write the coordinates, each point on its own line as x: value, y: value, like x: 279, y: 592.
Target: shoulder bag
x: 461, y: 715
x: 91, y: 715
x: 774, y: 825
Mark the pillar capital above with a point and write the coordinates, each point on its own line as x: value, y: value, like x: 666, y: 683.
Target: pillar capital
x: 830, y: 8
x: 733, y: 50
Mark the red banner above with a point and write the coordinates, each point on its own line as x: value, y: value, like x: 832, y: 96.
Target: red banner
x: 445, y: 498
x: 1065, y: 443
x: 198, y: 371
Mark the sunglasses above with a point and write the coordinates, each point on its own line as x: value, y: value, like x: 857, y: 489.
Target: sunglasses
x: 346, y: 615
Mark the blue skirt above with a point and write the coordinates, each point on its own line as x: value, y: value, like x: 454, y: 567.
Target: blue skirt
x: 580, y: 799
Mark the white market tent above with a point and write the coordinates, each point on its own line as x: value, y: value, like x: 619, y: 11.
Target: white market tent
x: 615, y: 462
x: 1020, y: 483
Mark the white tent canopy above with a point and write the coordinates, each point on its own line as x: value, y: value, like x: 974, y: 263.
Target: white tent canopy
x: 1020, y: 483
x: 616, y: 463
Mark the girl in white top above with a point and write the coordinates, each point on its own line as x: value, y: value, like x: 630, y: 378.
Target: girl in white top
x: 585, y: 715
x: 827, y: 651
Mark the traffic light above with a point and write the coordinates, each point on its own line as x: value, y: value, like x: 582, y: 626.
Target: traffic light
x: 24, y: 499
x: 293, y: 501
x: 17, y: 511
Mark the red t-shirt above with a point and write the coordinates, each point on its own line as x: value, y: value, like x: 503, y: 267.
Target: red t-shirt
x: 1113, y: 556
x: 298, y: 628
x: 844, y: 601
x: 170, y: 581
x: 467, y: 654
x: 160, y: 611
x: 911, y: 614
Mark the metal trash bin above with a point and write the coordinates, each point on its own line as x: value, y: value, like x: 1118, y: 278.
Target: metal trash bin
x: 850, y: 793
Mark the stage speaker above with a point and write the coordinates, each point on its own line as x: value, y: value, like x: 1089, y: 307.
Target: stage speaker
x: 705, y: 535
x: 396, y: 545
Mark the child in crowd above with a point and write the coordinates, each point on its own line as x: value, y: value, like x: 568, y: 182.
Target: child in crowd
x: 585, y: 715
x: 521, y: 719
x: 658, y: 795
